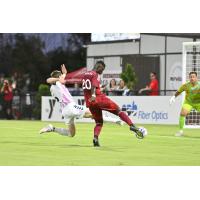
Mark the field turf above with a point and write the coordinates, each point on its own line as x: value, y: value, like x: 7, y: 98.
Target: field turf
x: 21, y: 145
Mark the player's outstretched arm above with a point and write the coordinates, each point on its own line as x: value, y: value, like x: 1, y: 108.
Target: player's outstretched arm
x: 63, y: 69
x: 178, y: 92
x: 173, y: 98
x: 52, y: 80
x: 147, y: 88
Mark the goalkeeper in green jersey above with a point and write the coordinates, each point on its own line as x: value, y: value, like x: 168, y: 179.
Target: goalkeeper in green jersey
x: 192, y: 99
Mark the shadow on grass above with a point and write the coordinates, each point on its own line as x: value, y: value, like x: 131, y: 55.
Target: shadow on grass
x: 190, y: 136
x: 43, y: 144
x: 102, y: 148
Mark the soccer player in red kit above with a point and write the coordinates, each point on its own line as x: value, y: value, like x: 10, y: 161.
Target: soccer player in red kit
x: 96, y: 101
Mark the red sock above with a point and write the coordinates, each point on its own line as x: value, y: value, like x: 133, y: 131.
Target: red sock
x: 125, y: 118
x: 97, y: 130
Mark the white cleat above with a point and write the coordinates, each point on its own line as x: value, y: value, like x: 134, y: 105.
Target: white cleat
x: 48, y: 128
x: 179, y: 133
x: 121, y: 123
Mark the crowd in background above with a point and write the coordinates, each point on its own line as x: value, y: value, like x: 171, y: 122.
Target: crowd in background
x: 116, y: 88
x: 11, y: 90
x: 113, y: 88
x: 15, y: 92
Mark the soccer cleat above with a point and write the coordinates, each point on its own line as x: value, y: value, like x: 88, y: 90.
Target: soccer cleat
x: 96, y: 142
x: 179, y: 133
x: 138, y: 132
x: 48, y: 128
x: 121, y: 123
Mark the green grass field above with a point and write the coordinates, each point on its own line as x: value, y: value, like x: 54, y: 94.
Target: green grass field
x: 21, y: 145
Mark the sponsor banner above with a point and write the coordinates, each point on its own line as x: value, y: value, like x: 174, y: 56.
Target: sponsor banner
x: 51, y: 110
x: 141, y: 109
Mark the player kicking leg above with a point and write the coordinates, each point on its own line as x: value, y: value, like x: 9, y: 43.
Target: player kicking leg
x: 108, y: 105
x: 96, y: 101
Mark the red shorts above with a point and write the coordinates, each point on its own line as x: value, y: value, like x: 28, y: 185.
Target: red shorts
x: 102, y: 103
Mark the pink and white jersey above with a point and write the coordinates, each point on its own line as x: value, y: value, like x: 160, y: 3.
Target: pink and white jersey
x: 61, y: 93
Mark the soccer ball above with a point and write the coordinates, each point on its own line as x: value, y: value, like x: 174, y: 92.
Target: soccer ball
x: 144, y: 131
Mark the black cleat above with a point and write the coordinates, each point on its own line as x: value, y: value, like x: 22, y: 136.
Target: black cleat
x: 138, y: 133
x: 96, y: 142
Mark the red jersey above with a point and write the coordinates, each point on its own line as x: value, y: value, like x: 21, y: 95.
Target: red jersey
x: 154, y: 88
x: 90, y: 79
x: 8, y: 95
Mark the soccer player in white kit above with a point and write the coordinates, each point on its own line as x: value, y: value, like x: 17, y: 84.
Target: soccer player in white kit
x: 70, y: 110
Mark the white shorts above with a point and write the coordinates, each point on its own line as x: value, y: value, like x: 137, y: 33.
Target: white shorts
x: 73, y: 110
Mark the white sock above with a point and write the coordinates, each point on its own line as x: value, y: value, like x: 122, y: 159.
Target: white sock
x: 62, y: 131
x: 110, y: 119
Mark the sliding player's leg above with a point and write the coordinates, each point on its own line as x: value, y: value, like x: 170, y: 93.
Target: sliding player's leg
x: 46, y: 129
x: 72, y: 127
x: 113, y: 120
x: 61, y: 131
x: 88, y: 114
x: 186, y: 108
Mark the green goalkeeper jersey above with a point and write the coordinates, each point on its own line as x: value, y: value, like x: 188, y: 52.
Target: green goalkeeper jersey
x: 192, y: 92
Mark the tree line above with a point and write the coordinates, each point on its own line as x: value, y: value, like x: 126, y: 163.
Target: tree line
x: 25, y: 54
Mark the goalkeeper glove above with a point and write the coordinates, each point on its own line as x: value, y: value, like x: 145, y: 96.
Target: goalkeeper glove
x: 172, y: 100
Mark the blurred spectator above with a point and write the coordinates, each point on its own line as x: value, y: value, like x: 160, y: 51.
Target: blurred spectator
x: 14, y: 80
x: 122, y: 88
x: 7, y: 92
x: 26, y: 84
x: 16, y: 105
x: 1, y: 79
x: 76, y: 90
x: 21, y: 83
x: 1, y: 95
x: 153, y: 87
x: 111, y: 88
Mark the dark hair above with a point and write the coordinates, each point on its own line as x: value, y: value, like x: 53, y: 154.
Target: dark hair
x: 56, y: 74
x: 193, y: 73
x: 154, y: 73
x: 120, y: 82
x: 114, y: 80
x: 100, y: 62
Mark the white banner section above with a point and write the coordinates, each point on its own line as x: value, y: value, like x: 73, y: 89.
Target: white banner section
x: 141, y: 109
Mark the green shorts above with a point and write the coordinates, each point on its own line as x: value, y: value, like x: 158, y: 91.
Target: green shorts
x: 189, y: 106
